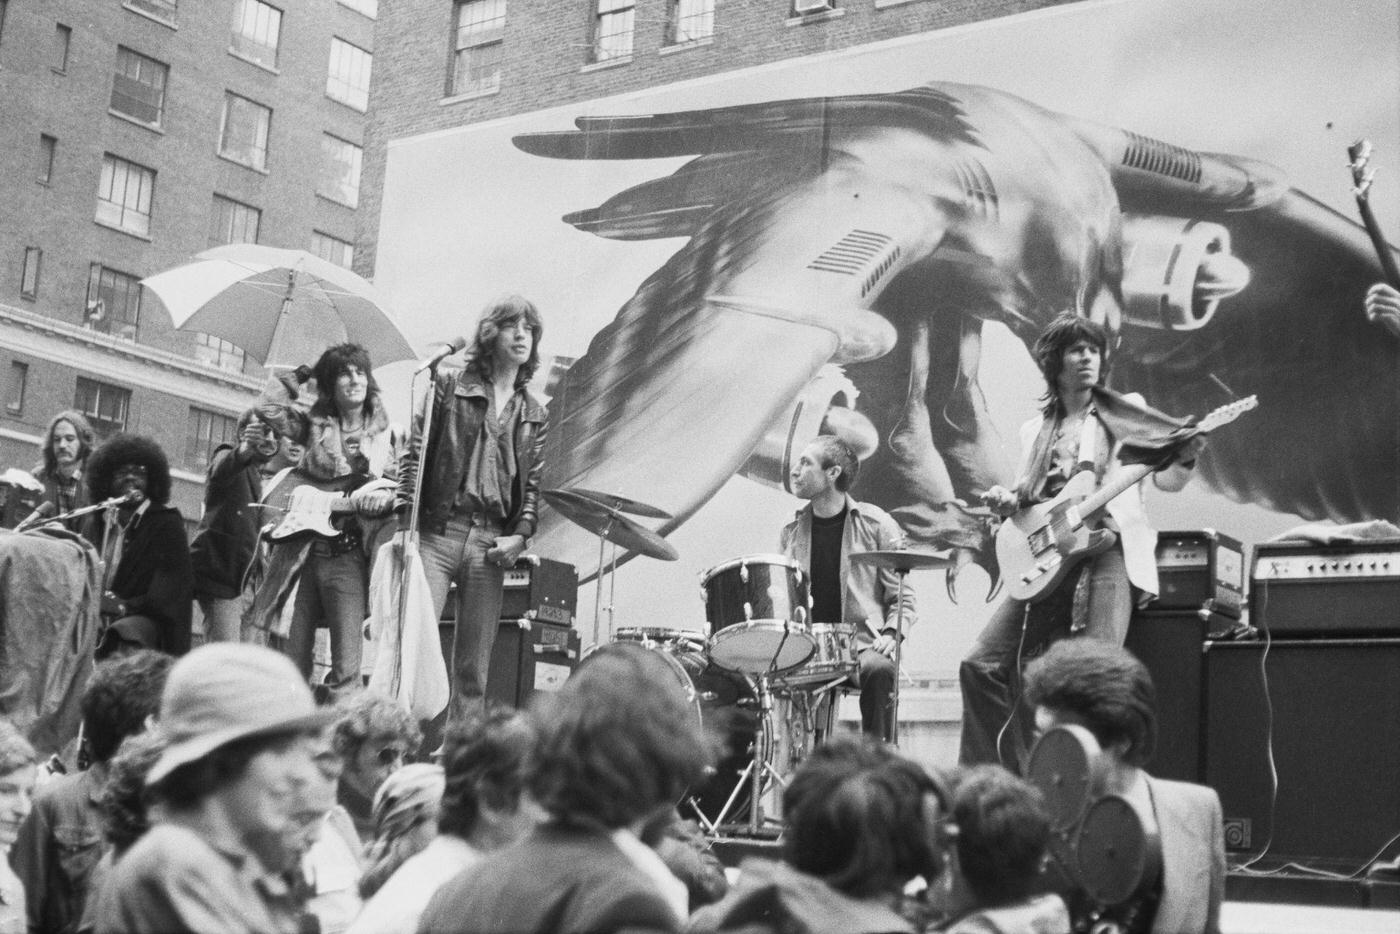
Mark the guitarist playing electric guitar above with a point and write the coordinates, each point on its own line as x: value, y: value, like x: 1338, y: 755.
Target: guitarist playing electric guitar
x: 1082, y: 428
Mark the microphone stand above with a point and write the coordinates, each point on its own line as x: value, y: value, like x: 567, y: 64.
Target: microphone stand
x: 411, y: 541
x: 31, y: 522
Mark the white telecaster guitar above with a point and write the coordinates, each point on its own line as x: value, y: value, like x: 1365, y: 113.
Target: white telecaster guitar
x: 1039, y: 545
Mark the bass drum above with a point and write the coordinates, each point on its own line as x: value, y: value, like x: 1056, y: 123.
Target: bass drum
x: 727, y: 710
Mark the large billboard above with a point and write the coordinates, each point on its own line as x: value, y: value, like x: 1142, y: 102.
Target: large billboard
x: 870, y: 239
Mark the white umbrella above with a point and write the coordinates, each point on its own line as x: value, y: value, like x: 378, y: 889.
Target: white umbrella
x: 282, y: 307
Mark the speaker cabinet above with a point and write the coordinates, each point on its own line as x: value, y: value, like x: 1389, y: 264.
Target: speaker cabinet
x: 1330, y: 709
x: 1170, y: 643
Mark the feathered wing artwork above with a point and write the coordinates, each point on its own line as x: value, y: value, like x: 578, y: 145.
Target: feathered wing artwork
x: 881, y: 231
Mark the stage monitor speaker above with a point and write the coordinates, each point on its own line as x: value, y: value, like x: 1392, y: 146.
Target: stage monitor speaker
x: 1170, y: 643
x: 527, y: 656
x: 1334, y: 709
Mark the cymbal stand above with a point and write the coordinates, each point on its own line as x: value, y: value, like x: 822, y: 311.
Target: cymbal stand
x: 898, y: 656
x: 611, y: 574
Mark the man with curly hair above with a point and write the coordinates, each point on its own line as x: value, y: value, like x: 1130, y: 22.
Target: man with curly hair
x: 148, y: 580
x: 61, y: 840
x: 373, y: 736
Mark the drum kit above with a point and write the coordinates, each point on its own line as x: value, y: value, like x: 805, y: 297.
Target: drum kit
x: 765, y: 676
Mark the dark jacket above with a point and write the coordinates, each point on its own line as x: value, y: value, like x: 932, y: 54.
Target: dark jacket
x: 774, y: 898
x: 460, y: 402
x: 557, y: 880
x: 228, y: 534
x: 155, y: 578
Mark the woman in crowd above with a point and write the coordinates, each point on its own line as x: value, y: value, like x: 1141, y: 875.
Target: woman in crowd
x: 18, y: 770
x: 405, y: 821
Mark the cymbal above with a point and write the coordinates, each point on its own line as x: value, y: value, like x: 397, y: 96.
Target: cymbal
x: 601, y: 520
x: 621, y: 503
x: 902, y: 560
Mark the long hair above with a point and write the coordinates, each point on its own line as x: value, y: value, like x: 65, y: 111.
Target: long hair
x: 857, y: 818
x: 1103, y: 684
x: 123, y: 449
x: 487, y: 759
x: 81, y: 427
x: 121, y: 694
x: 1062, y: 333
x: 503, y: 311
x: 619, y: 740
x: 330, y: 366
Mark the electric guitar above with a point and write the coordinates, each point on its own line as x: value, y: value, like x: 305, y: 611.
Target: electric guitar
x: 1043, y: 542
x: 309, y: 505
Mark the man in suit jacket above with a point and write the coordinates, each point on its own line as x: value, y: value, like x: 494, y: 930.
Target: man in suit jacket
x: 1104, y: 689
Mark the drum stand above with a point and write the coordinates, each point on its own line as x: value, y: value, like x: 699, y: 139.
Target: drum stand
x: 898, y: 656
x: 759, y: 766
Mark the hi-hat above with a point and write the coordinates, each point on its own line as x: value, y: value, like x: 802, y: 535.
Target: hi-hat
x: 601, y: 520
x: 621, y: 503
x: 902, y: 561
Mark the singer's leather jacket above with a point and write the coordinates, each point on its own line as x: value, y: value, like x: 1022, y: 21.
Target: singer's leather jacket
x: 460, y: 402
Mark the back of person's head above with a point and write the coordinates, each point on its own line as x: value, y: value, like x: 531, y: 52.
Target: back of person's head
x: 619, y: 740
x: 833, y: 452
x: 120, y: 450
x: 122, y: 694
x: 406, y: 806
x: 125, y: 799
x: 1002, y: 835
x: 862, y: 818
x: 487, y: 759
x: 1105, y: 686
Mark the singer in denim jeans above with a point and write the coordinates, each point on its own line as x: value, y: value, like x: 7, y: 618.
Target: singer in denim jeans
x: 481, y: 483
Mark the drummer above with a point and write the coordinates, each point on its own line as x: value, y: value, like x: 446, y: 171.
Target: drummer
x: 821, y: 539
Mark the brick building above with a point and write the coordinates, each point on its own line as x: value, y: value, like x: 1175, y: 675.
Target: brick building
x: 139, y: 132
x: 447, y: 64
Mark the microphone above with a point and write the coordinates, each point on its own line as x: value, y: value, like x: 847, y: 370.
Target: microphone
x: 41, y: 512
x: 444, y: 350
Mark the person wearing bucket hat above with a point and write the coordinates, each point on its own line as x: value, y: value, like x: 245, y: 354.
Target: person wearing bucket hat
x: 238, y: 720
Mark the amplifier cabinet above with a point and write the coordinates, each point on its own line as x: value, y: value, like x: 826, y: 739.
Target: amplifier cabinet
x: 1200, y: 569
x: 1308, y: 590
x: 1324, y: 716
x: 536, y: 588
x: 541, y: 589
x: 530, y: 656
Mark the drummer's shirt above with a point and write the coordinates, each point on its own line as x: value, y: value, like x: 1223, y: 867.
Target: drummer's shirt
x: 826, y: 567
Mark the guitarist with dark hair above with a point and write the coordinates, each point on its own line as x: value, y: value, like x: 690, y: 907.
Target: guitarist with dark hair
x: 1078, y: 437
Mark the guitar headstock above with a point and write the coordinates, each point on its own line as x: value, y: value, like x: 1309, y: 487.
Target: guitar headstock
x: 1361, y: 172
x: 1228, y: 413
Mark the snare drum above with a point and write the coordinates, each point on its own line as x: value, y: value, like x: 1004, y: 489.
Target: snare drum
x: 757, y: 607
x: 836, y: 657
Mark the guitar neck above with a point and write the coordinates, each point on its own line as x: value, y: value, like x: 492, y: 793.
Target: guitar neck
x: 1110, y: 491
x: 1383, y: 252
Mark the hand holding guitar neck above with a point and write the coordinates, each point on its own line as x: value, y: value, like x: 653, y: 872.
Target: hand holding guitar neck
x: 1383, y: 299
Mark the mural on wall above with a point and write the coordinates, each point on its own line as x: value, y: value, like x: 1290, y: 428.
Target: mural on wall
x: 727, y: 267
x: 882, y: 231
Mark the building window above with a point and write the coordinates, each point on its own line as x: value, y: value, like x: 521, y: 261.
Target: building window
x: 332, y: 249
x: 163, y: 10
x: 29, y: 279
x: 233, y: 222
x: 217, y: 352
x: 808, y: 7
x: 612, y: 33
x: 208, y: 430
x: 113, y: 303
x: 124, y: 195
x: 138, y: 88
x: 19, y: 383
x: 243, y: 135
x: 257, y: 29
x: 480, y: 27
x: 691, y: 21
x: 369, y: 8
x: 106, y: 406
x: 47, y: 147
x: 348, y: 78
x: 62, y: 37
x: 340, y: 171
